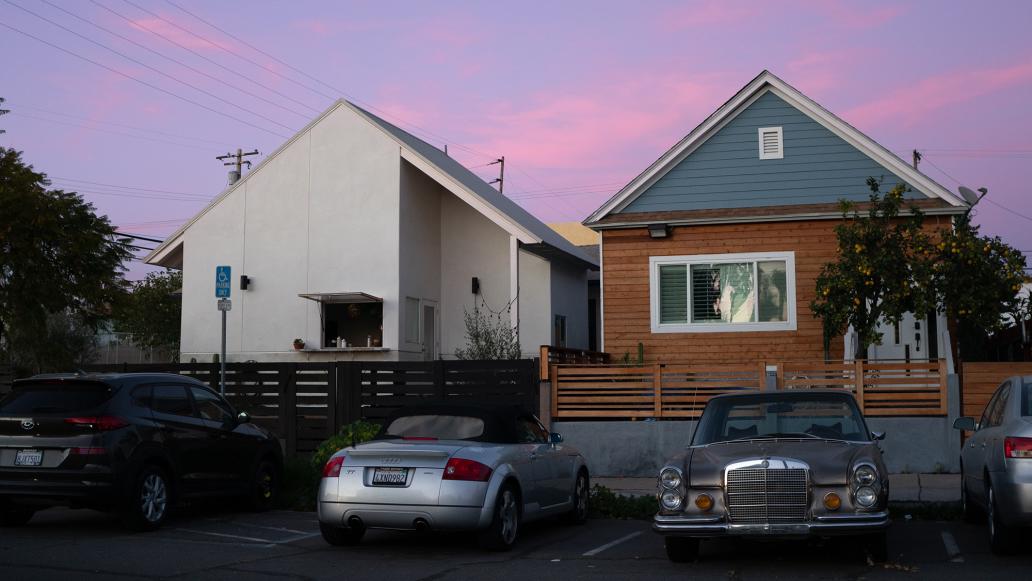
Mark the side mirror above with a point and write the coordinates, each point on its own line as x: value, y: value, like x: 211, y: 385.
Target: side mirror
x: 243, y: 418
x: 555, y: 438
x: 967, y: 424
x: 878, y: 436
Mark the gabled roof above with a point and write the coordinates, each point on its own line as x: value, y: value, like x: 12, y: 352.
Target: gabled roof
x: 767, y: 81
x: 452, y: 175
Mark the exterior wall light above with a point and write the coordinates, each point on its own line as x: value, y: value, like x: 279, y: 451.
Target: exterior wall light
x: 659, y: 230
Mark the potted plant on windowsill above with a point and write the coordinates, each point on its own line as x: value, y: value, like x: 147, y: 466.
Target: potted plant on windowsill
x: 299, y: 344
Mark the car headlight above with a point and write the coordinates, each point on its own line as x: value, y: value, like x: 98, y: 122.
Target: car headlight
x: 864, y: 475
x: 671, y: 500
x: 866, y: 496
x: 670, y: 478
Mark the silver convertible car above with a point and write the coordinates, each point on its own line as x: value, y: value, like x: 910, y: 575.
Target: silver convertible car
x: 996, y: 464
x: 450, y: 468
x: 785, y: 464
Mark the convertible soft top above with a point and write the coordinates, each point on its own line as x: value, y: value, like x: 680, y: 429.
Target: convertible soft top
x: 500, y: 421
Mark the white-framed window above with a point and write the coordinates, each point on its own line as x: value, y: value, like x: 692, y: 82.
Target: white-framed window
x: 771, y: 144
x: 711, y: 293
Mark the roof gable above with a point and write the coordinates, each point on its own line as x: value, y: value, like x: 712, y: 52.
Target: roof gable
x: 717, y: 165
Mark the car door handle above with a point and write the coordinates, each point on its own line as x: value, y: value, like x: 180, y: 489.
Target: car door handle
x: 533, y: 456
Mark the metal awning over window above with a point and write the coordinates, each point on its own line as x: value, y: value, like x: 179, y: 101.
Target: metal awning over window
x: 334, y: 298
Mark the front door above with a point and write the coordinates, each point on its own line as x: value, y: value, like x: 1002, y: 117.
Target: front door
x: 904, y: 341
x: 429, y: 332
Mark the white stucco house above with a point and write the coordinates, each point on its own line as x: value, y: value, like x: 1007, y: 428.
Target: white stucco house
x: 356, y: 229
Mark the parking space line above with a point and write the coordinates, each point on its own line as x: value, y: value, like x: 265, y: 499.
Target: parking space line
x: 297, y: 538
x: 952, y: 549
x: 252, y: 539
x: 611, y: 544
x: 280, y: 529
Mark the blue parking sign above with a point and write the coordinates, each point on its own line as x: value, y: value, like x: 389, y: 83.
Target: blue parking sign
x: 222, y: 282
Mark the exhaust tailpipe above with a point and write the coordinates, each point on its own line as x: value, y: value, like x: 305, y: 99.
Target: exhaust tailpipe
x: 421, y: 525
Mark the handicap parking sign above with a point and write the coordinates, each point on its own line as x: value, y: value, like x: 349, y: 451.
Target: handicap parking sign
x: 222, y: 282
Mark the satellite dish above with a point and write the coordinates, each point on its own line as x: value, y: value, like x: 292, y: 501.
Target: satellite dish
x: 969, y: 195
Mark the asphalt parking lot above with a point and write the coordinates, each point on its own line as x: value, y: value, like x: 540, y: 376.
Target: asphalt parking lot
x: 61, y: 543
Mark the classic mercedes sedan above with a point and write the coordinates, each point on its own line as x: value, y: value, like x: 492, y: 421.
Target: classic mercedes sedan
x: 453, y: 467
x: 785, y: 464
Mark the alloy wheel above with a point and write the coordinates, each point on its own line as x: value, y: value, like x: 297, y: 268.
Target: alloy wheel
x: 509, y: 515
x: 153, y: 498
x: 582, y: 496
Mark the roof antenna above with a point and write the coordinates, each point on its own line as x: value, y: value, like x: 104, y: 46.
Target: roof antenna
x: 446, y: 149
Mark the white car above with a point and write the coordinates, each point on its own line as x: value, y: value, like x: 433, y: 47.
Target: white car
x: 451, y: 468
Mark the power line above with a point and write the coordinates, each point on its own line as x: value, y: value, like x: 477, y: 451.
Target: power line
x: 177, y: 61
x: 123, y: 125
x: 149, y: 67
x: 203, y: 57
x: 119, y: 133
x: 138, y: 80
x: 138, y: 237
x: 207, y: 197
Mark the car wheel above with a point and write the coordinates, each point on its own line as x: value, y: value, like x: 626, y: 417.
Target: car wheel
x: 876, y: 546
x: 682, y: 549
x: 14, y: 516
x: 1001, y: 536
x: 265, y: 486
x: 581, y: 494
x: 501, y: 534
x: 149, y: 500
x: 340, y: 536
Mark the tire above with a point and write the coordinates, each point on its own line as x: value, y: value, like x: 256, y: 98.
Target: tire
x: 581, y: 495
x: 502, y: 533
x: 13, y: 515
x: 682, y: 549
x: 149, y: 500
x: 1002, y: 538
x: 340, y: 536
x: 877, y: 546
x: 264, y: 486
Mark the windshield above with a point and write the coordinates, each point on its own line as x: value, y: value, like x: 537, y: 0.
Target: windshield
x: 65, y: 397
x: 441, y: 427
x: 776, y: 416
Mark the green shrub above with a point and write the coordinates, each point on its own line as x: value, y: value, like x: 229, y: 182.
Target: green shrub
x: 605, y: 503
x: 300, y: 484
x: 357, y: 432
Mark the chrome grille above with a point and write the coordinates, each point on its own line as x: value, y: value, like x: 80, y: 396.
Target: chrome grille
x: 766, y: 495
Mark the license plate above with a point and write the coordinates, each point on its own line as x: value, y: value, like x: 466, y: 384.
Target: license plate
x: 390, y: 476
x: 28, y: 458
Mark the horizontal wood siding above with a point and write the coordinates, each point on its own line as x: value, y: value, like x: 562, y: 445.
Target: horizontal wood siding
x: 980, y: 380
x: 625, y: 281
x: 726, y: 171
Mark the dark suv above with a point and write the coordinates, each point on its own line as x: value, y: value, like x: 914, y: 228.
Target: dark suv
x: 133, y: 443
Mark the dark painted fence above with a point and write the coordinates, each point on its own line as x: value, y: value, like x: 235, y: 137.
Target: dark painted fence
x: 305, y: 403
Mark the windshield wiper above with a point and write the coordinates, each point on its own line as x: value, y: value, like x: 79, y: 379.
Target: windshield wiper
x: 773, y: 436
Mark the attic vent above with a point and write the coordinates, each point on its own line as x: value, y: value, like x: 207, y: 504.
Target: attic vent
x: 771, y: 143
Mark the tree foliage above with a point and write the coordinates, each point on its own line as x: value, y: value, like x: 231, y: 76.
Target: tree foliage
x: 57, y: 257
x: 152, y: 311
x: 882, y: 270
x: 489, y: 335
x: 889, y: 265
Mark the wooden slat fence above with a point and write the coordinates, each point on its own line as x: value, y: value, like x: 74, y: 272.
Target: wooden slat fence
x: 565, y: 356
x: 681, y: 391
x: 305, y: 403
x: 980, y: 380
x: 651, y: 391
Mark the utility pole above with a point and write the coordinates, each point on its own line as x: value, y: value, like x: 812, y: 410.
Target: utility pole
x: 238, y: 160
x: 917, y: 158
x: 501, y: 174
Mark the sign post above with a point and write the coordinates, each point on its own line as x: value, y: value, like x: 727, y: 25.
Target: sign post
x: 222, y: 290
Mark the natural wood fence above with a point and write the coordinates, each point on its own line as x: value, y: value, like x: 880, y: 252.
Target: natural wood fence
x: 565, y: 356
x: 681, y: 391
x: 305, y: 403
x: 980, y: 380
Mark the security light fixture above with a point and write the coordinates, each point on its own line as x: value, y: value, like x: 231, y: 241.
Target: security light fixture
x: 659, y: 230
x: 245, y: 281
x: 476, y: 285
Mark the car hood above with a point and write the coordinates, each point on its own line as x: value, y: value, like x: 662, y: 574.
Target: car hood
x: 830, y: 461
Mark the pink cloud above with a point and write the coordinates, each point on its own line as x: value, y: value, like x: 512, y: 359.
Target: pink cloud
x: 178, y: 35
x: 820, y: 71
x: 709, y: 14
x: 910, y: 105
x: 854, y: 15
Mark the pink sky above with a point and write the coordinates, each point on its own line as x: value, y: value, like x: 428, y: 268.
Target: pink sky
x: 578, y: 96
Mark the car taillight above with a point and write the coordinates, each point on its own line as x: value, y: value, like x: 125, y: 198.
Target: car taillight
x: 462, y: 469
x: 99, y: 423
x: 1017, y: 447
x: 88, y: 451
x: 332, y: 468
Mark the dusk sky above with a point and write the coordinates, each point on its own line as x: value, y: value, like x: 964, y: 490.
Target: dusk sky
x: 578, y: 96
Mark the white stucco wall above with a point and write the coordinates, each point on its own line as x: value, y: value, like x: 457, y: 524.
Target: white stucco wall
x: 570, y: 298
x: 535, y: 304
x: 471, y: 245
x: 322, y: 216
x: 420, y: 274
